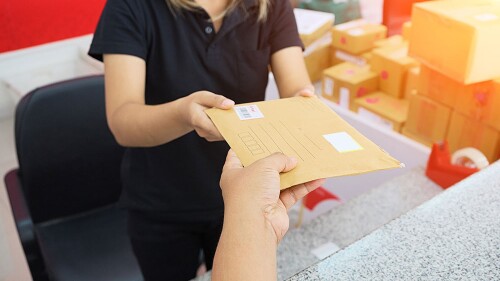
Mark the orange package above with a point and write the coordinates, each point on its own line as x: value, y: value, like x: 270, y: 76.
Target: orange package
x: 357, y: 36
x: 394, y: 40
x: 482, y: 104
x: 345, y: 82
x: 446, y: 90
x: 406, y: 31
x: 383, y: 109
x: 465, y: 132
x: 317, y: 61
x: 458, y: 38
x: 411, y: 85
x: 339, y: 56
x: 427, y: 119
x: 392, y: 64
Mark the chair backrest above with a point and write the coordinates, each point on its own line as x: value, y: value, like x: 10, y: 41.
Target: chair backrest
x: 69, y: 162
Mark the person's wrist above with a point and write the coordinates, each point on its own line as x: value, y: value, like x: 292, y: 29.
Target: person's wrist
x: 182, y: 111
x: 248, y: 215
x: 246, y: 208
x: 243, y: 205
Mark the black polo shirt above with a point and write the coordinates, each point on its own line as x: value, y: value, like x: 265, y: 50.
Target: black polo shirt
x: 183, y: 54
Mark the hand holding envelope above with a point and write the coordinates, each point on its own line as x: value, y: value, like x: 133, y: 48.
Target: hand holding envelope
x: 304, y: 127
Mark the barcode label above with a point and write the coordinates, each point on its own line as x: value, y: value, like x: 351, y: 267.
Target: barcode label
x: 248, y: 112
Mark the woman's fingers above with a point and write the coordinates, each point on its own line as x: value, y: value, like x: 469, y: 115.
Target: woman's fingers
x: 209, y: 100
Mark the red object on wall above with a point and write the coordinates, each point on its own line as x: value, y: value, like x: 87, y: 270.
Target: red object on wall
x: 395, y: 13
x: 26, y: 23
x: 318, y: 195
x: 441, y: 170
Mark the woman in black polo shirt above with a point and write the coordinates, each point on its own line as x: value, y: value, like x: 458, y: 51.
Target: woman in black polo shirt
x: 165, y: 62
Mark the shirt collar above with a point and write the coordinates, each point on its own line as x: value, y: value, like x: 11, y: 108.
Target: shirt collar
x: 236, y: 17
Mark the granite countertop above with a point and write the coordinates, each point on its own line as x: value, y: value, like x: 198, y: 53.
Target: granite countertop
x: 351, y: 221
x: 454, y: 236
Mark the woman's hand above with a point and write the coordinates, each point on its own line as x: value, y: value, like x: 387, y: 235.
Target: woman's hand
x: 257, y: 188
x: 192, y: 110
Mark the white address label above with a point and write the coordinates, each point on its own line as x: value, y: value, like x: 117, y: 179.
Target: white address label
x: 246, y: 112
x: 343, y: 142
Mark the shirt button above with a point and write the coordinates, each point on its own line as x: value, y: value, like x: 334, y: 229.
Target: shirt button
x: 208, y: 30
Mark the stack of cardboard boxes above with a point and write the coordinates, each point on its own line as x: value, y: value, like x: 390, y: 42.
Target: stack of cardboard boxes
x: 370, y: 73
x: 457, y: 97
x: 439, y: 80
x: 314, y: 28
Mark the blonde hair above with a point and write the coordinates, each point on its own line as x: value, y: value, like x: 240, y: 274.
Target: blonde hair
x: 191, y: 5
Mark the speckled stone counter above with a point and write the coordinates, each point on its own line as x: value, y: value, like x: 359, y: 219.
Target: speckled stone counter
x: 351, y: 221
x: 454, y: 236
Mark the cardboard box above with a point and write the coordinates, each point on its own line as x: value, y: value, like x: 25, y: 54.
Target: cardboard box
x: 317, y: 61
x: 446, y: 90
x: 458, y: 38
x: 312, y: 25
x: 340, y: 56
x: 394, y: 40
x: 357, y: 36
x: 427, y: 119
x: 383, y: 109
x: 411, y: 84
x: 482, y: 103
x: 406, y: 31
x: 392, y: 64
x: 345, y: 82
x: 465, y: 132
x: 415, y: 137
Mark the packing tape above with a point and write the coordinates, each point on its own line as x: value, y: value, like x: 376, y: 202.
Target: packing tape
x: 469, y: 157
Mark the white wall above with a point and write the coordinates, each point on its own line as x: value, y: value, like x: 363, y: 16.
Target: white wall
x: 24, y: 70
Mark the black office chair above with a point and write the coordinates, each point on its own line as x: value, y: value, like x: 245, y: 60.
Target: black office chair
x: 64, y: 193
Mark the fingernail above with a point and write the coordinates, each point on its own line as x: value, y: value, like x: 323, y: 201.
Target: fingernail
x: 293, y: 159
x: 227, y: 103
x: 309, y: 91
